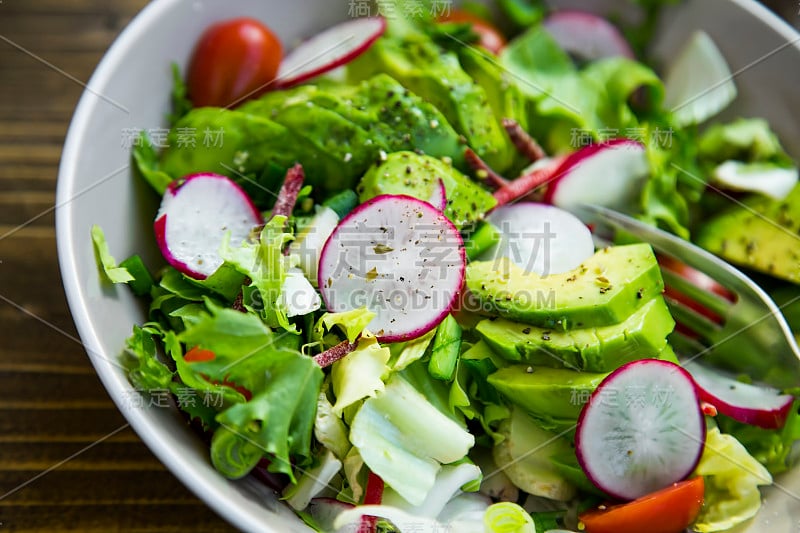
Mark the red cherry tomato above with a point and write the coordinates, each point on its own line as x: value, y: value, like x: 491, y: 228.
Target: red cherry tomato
x: 490, y: 37
x: 669, y: 510
x: 234, y: 60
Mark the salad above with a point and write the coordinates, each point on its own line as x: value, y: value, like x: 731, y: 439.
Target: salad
x: 379, y: 300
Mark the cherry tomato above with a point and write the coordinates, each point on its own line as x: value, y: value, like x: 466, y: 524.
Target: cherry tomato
x: 669, y: 510
x: 234, y: 60
x: 490, y: 37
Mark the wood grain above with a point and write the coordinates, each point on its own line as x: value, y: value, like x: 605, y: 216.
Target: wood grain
x: 53, y: 409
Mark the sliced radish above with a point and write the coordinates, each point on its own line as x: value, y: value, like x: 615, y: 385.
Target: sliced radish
x: 539, y: 238
x: 699, y: 83
x: 330, y: 49
x: 587, y: 36
x: 609, y: 174
x: 764, y: 407
x: 438, y: 198
x: 325, y: 511
x: 195, y: 215
x: 398, y: 256
x: 641, y: 430
x: 767, y: 179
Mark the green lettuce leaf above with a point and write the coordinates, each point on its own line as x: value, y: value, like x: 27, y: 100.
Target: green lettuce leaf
x: 279, y: 418
x: 329, y: 429
x: 244, y: 347
x: 145, y: 371
x: 106, y: 261
x: 745, y: 139
x: 523, y: 13
x: 411, y: 351
x: 352, y: 322
x: 264, y: 263
x: 732, y: 477
x: 360, y: 374
x: 181, y: 104
x: 145, y: 159
x: 404, y: 439
x: 770, y: 447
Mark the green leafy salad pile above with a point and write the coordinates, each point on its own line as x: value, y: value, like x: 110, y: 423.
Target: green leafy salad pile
x: 476, y: 411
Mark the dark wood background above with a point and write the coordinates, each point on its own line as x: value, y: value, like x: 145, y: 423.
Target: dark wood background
x: 67, y: 459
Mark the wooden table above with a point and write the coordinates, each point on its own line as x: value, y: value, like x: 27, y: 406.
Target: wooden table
x: 59, y: 469
x: 67, y: 459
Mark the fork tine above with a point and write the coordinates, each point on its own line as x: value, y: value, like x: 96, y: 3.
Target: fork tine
x: 713, y: 302
x: 692, y: 320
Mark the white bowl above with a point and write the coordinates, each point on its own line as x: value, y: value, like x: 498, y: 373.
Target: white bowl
x: 131, y: 88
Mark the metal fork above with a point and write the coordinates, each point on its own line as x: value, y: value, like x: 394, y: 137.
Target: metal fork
x: 751, y: 335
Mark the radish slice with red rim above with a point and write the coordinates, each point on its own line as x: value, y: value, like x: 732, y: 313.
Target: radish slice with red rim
x: 609, y: 174
x: 764, y: 407
x: 641, y: 430
x: 587, y: 36
x: 438, y: 198
x: 329, y: 49
x: 195, y: 215
x: 398, y: 256
x: 539, y: 238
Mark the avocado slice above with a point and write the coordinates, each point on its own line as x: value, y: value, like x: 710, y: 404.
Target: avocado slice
x: 396, y: 117
x: 546, y: 393
x: 606, y: 289
x: 525, y: 456
x: 762, y: 235
x: 418, y: 176
x: 601, y: 349
x: 436, y: 75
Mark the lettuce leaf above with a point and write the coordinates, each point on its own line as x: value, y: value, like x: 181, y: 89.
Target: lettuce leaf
x: 145, y: 371
x: 145, y: 159
x: 329, y: 429
x: 108, y: 264
x: 352, y: 322
x: 404, y: 439
x: 770, y: 447
x: 244, y: 347
x: 360, y: 374
x: 264, y: 263
x: 745, y: 139
x: 270, y: 390
x: 279, y: 418
x: 732, y: 477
